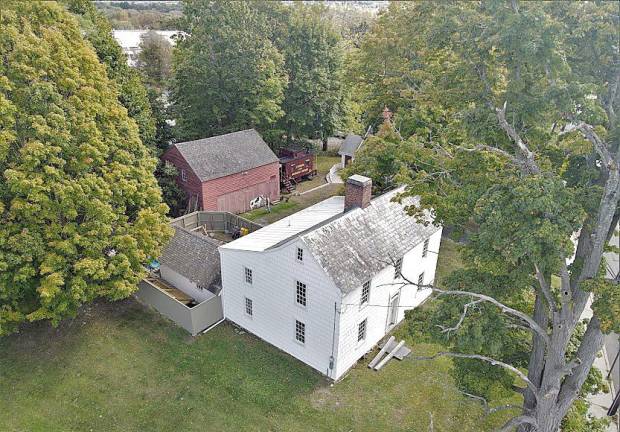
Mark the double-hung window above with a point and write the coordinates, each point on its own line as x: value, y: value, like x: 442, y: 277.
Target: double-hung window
x: 248, y: 275
x: 248, y: 306
x: 361, y: 330
x: 365, y: 293
x: 183, y: 175
x: 398, y: 267
x: 425, y: 249
x: 300, y: 332
x: 300, y: 295
x: 421, y: 279
x: 300, y: 255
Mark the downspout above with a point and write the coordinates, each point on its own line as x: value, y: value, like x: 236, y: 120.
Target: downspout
x: 331, y: 357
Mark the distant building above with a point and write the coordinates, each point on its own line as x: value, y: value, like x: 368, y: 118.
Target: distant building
x: 129, y: 40
x: 348, y: 148
x: 324, y: 284
x: 226, y: 172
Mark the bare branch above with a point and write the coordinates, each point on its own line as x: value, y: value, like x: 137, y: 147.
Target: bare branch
x: 487, y: 410
x: 490, y: 360
x: 599, y: 145
x: 461, y: 319
x: 527, y: 154
x: 512, y: 423
x: 546, y: 290
x: 533, y: 325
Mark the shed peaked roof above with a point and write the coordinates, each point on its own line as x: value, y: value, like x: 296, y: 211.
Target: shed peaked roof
x: 350, y: 145
x: 227, y: 154
x: 193, y: 256
x: 356, y: 246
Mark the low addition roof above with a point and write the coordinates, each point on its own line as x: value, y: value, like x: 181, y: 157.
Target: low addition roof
x: 291, y: 226
x: 356, y: 246
x: 193, y: 256
x: 227, y: 154
x: 350, y: 145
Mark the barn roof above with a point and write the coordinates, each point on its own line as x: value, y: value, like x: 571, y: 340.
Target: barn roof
x: 356, y: 246
x: 193, y: 256
x: 350, y: 145
x: 227, y: 154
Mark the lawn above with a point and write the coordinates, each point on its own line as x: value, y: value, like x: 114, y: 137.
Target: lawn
x: 323, y: 165
x: 292, y: 204
x: 121, y: 367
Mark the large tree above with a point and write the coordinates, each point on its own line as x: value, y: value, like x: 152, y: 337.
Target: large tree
x: 80, y: 210
x: 155, y: 60
x: 512, y: 108
x: 313, y: 100
x: 228, y: 75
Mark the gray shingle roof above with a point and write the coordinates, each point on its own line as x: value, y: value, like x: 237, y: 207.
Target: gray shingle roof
x: 194, y: 256
x: 355, y: 247
x: 350, y: 145
x: 227, y: 154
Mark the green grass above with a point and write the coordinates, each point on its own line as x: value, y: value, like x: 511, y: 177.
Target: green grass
x: 121, y: 367
x: 292, y: 205
x: 324, y: 163
x: 448, y: 261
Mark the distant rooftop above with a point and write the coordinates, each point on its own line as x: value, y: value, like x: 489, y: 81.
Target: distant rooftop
x: 350, y: 145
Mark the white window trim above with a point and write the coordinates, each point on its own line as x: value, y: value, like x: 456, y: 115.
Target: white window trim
x: 245, y: 275
x: 365, y: 304
x: 245, y: 307
x: 397, y: 264
x: 299, y: 305
x: 425, y: 247
x: 183, y: 175
x: 363, y: 340
x: 299, y: 261
x: 303, y: 344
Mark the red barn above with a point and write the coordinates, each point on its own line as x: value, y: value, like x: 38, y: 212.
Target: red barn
x: 224, y: 173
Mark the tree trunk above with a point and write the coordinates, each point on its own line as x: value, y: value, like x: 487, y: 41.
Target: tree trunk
x: 325, y: 143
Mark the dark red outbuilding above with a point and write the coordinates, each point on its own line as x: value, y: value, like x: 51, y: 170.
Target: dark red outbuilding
x: 225, y: 172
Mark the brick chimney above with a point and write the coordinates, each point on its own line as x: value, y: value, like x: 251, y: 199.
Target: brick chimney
x: 357, y: 192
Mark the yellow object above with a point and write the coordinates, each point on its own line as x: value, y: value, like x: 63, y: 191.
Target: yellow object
x: 244, y: 231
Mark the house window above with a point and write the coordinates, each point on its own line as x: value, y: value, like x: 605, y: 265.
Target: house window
x: 425, y: 249
x: 365, y: 293
x: 398, y: 267
x: 361, y: 330
x: 248, y: 306
x: 183, y: 175
x: 421, y: 279
x: 300, y: 332
x: 300, y: 254
x: 248, y: 275
x: 301, y: 293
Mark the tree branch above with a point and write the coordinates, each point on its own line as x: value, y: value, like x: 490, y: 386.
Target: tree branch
x: 527, y: 154
x: 512, y: 423
x: 599, y: 145
x: 546, y: 290
x: 461, y: 319
x: 490, y: 360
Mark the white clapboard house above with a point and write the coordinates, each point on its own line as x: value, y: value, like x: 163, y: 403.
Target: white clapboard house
x: 323, y: 284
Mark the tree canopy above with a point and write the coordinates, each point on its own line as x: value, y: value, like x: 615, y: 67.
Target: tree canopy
x: 507, y: 113
x: 80, y: 210
x: 131, y: 92
x: 228, y: 74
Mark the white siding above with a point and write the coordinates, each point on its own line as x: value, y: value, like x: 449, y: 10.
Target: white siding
x: 383, y: 287
x: 273, y: 291
x: 187, y: 286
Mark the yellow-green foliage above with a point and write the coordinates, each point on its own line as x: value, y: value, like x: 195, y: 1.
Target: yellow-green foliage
x: 79, y: 207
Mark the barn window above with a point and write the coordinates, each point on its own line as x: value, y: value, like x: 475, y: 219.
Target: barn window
x: 301, y: 293
x: 183, y: 175
x: 300, y: 254
x: 248, y: 306
x: 398, y: 267
x: 248, y: 275
x: 361, y: 330
x: 365, y: 293
x: 421, y: 279
x: 300, y: 331
x: 425, y: 249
